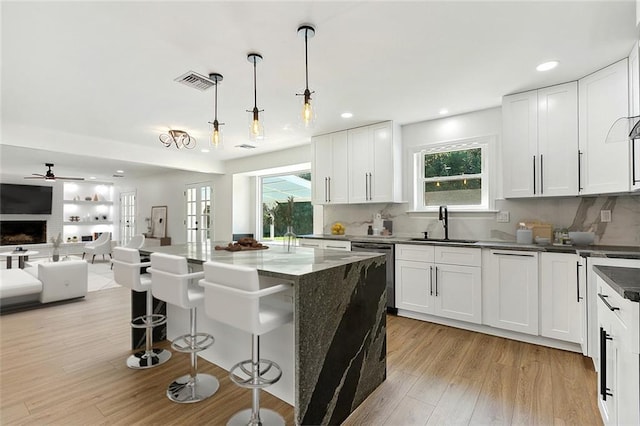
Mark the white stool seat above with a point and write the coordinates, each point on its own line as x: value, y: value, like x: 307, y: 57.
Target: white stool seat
x: 172, y: 282
x: 236, y: 295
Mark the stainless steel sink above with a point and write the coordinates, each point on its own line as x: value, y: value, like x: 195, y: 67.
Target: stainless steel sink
x: 442, y: 240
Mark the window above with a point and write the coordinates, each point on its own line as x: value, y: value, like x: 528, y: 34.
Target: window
x: 285, y: 200
x: 453, y: 174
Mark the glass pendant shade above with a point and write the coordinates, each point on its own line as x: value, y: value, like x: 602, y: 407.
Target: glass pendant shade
x: 308, y: 115
x: 256, y: 129
x: 216, y: 135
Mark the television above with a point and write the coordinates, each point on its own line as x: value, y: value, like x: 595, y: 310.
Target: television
x: 25, y: 199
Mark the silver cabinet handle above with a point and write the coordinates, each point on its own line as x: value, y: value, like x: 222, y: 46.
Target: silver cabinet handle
x: 436, y: 281
x: 541, y: 176
x: 514, y: 254
x: 603, y: 297
x: 325, y: 189
x: 431, y: 280
x: 534, y: 175
x: 579, y: 170
x: 329, y: 190
x: 578, y: 281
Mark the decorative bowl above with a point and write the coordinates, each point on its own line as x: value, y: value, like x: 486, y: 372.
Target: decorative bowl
x: 582, y: 238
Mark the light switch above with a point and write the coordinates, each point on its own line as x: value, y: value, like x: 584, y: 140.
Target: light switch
x: 605, y: 215
x: 502, y: 217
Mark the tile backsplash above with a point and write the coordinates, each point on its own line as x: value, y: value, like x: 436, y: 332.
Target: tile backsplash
x: 575, y: 213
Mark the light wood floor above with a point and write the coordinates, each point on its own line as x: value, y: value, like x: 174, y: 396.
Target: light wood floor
x: 64, y: 365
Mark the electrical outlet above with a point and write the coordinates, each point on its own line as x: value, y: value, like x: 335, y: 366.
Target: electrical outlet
x: 502, y: 217
x: 605, y: 215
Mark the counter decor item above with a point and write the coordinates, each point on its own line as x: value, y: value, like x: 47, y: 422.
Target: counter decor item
x: 582, y: 238
x: 524, y: 235
x: 337, y: 229
x: 56, y: 247
x: 290, y: 238
x: 243, y: 244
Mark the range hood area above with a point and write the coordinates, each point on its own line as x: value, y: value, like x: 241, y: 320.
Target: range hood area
x: 628, y: 129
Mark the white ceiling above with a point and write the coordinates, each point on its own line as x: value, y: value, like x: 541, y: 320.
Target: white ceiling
x: 96, y: 79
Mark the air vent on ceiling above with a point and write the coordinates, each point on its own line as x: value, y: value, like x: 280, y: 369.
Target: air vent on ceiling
x: 245, y: 146
x: 195, y: 80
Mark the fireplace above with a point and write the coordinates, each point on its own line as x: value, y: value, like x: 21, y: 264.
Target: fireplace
x: 18, y: 232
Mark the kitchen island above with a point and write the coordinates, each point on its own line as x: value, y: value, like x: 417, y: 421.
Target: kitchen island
x: 334, y: 354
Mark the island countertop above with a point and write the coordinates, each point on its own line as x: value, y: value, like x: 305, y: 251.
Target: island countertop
x: 274, y: 260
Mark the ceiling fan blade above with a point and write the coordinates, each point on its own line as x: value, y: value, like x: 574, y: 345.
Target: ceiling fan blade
x: 34, y: 177
x: 69, y: 178
x: 38, y: 174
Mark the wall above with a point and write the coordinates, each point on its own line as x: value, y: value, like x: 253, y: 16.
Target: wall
x: 576, y: 213
x: 168, y: 190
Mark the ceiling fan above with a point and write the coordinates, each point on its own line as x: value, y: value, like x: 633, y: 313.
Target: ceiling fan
x: 49, y: 175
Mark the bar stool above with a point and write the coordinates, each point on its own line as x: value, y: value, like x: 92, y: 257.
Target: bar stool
x: 237, y: 296
x: 126, y: 272
x: 172, y: 282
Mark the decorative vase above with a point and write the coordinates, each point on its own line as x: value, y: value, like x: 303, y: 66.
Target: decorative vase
x: 56, y: 254
x: 290, y: 240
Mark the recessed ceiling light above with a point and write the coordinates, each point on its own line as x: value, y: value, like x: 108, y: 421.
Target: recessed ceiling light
x: 204, y: 150
x: 547, y: 66
x: 346, y: 115
x: 119, y: 171
x: 443, y: 111
x: 92, y: 177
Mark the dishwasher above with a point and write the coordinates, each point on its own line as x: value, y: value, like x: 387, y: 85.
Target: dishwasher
x: 388, y: 250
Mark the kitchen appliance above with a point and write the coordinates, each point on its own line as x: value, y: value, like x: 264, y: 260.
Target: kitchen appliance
x: 388, y: 251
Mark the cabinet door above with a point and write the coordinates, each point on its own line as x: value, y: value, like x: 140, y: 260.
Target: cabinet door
x: 634, y: 111
x: 558, y: 140
x: 361, y: 164
x: 338, y: 188
x: 322, y: 159
x: 457, y: 291
x: 561, y: 304
x: 381, y: 181
x: 603, y: 98
x: 520, y: 139
x: 414, y: 286
x: 512, y: 291
x: 607, y: 374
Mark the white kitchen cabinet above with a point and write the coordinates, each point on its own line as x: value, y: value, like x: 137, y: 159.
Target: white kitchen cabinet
x: 634, y: 111
x: 511, y: 287
x: 325, y: 244
x: 329, y: 170
x: 603, y: 98
x: 540, y: 142
x: 439, y: 280
x: 374, y: 164
x: 562, y: 302
x: 619, y: 367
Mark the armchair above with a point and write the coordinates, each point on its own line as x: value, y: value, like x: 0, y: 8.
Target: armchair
x: 100, y: 246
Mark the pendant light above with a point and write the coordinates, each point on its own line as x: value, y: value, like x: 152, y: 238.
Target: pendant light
x: 256, y: 130
x: 216, y: 134
x: 308, y: 114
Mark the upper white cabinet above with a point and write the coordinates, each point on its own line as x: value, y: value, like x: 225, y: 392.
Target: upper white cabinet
x: 359, y: 165
x: 540, y: 142
x: 374, y: 164
x: 603, y: 98
x: 511, y: 290
x: 562, y: 301
x: 329, y: 170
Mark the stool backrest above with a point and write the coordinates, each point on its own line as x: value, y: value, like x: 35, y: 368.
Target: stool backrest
x: 231, y: 308
x: 136, y: 242
x: 126, y: 268
x: 170, y: 280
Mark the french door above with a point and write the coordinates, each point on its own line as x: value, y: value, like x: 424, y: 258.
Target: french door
x: 199, y: 218
x: 127, y: 216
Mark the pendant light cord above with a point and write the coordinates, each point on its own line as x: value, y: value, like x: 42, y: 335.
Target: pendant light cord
x: 306, y: 60
x: 255, y: 89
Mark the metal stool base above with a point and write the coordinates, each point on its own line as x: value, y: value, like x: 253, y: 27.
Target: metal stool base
x: 185, y: 391
x: 267, y: 418
x: 143, y: 359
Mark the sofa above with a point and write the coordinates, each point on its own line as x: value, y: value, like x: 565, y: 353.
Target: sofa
x: 43, y: 283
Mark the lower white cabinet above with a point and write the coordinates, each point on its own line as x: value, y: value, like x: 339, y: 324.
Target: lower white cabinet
x: 619, y: 347
x: 562, y: 301
x: 511, y: 287
x: 449, y: 287
x: 325, y: 244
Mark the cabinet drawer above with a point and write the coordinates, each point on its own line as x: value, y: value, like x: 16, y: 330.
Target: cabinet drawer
x: 623, y: 313
x: 415, y: 252
x: 337, y: 245
x: 458, y: 256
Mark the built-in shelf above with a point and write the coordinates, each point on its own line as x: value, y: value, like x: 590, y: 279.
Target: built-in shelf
x: 86, y: 203
x: 90, y: 223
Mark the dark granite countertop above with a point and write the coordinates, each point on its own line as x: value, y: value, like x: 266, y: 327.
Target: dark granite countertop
x: 625, y: 281
x: 623, y: 252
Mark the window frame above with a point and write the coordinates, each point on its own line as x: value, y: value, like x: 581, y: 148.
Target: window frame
x: 488, y: 148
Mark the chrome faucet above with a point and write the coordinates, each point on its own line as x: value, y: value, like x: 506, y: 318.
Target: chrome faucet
x: 444, y: 217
